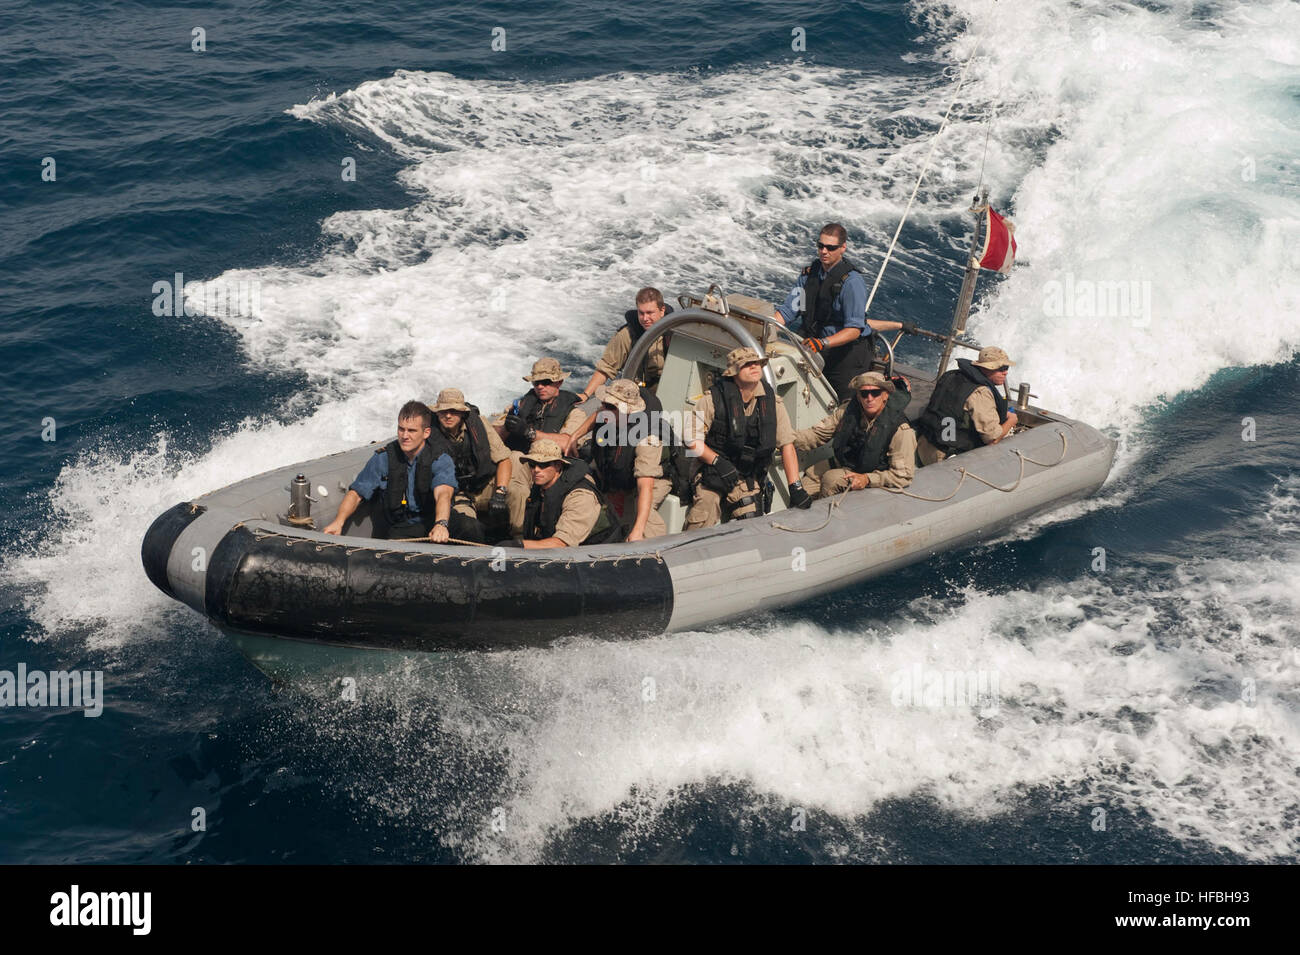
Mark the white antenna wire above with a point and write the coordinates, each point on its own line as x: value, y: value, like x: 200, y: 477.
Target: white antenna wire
x: 924, y: 166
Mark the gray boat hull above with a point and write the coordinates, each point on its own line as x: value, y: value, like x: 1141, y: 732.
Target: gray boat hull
x: 230, y: 557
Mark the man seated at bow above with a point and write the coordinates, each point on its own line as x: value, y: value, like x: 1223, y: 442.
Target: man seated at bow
x: 410, y: 484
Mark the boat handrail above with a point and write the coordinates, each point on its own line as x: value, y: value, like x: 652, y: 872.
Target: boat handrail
x: 666, y: 324
x: 815, y: 361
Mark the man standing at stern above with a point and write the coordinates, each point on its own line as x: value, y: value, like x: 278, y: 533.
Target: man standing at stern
x: 831, y: 297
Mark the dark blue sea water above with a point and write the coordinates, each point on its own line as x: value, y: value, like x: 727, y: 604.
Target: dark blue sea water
x: 506, y: 204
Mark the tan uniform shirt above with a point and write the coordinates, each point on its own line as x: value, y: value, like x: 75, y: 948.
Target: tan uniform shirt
x: 698, y: 424
x: 983, y: 411
x: 902, y: 448
x: 578, y: 516
x: 620, y: 346
x: 649, y: 458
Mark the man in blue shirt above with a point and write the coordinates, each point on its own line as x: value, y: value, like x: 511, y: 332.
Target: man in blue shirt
x: 417, y: 501
x: 831, y: 296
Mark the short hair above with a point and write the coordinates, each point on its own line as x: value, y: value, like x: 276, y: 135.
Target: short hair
x: 649, y: 294
x: 835, y: 229
x: 416, y: 409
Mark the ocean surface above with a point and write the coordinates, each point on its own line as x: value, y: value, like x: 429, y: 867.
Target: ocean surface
x: 506, y: 204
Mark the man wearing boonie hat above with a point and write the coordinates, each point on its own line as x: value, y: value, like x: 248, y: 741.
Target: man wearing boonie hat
x: 546, y: 411
x: 649, y: 309
x: 564, y: 508
x: 484, y: 486
x: 873, y: 445
x: 967, y: 409
x: 735, y: 429
x: 628, y: 452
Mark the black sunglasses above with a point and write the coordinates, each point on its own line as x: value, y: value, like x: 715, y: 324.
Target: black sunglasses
x: 545, y: 381
x: 871, y: 392
x: 828, y: 248
x: 1003, y: 368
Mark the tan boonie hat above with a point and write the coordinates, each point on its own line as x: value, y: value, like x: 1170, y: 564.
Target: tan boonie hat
x: 450, y: 399
x: 547, y: 369
x: 739, y: 357
x: 872, y: 379
x: 992, y: 358
x: 544, y: 451
x: 623, y: 394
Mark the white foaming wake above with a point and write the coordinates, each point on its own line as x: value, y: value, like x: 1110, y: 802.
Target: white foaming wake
x: 1173, y: 697
x: 1166, y: 161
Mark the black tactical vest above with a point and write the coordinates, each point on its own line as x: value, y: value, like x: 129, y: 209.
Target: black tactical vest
x: 748, y: 442
x: 395, y: 503
x: 949, y: 400
x: 544, y: 508
x: 472, y: 454
x: 864, y: 451
x: 548, y: 417
x: 614, y: 464
x: 819, y: 294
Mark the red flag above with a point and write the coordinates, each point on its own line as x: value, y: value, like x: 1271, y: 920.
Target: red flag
x: 999, y: 243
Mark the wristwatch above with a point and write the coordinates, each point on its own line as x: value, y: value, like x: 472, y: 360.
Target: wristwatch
x: 442, y: 523
x: 501, y: 487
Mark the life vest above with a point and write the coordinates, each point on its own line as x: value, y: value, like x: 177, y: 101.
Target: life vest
x: 542, y: 513
x: 949, y: 401
x: 748, y: 442
x: 614, y: 465
x: 820, y: 294
x: 395, y: 504
x: 547, y: 417
x: 472, y: 454
x: 863, y: 451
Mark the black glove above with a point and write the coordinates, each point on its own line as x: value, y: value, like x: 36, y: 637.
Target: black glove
x: 726, y: 472
x: 799, y: 497
x: 910, y: 328
x: 516, y: 425
x: 498, y: 509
